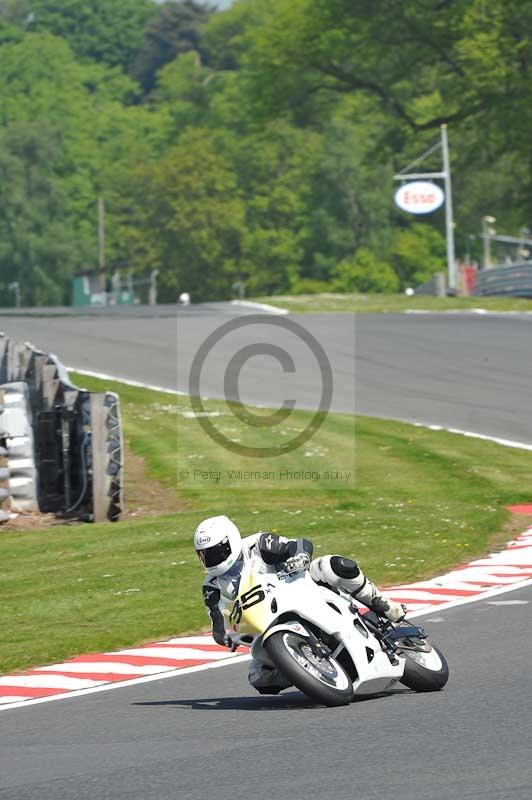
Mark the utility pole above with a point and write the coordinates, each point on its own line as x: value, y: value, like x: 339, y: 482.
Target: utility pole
x: 101, y: 244
x: 152, y: 293
x: 15, y: 286
x: 487, y: 232
x: 449, y: 221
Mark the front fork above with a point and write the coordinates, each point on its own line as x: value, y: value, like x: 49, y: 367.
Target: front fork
x: 387, y: 634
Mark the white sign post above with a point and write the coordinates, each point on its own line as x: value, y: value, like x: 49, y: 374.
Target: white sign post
x: 421, y: 196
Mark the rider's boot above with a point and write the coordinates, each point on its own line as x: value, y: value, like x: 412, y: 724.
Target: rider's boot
x: 346, y: 574
x: 265, y: 679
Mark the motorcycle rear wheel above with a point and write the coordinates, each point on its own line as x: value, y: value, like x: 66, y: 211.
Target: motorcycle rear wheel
x: 320, y: 678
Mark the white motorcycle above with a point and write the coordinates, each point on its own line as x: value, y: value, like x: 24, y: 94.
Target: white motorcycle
x: 318, y: 639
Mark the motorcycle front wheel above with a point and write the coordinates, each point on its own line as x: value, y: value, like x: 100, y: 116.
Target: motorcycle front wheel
x: 426, y: 669
x: 319, y: 677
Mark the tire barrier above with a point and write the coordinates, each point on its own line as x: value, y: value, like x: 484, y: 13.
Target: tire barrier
x: 18, y: 473
x: 514, y: 280
x: 61, y: 447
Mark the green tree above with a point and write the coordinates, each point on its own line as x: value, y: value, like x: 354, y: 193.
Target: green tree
x: 229, y: 36
x: 42, y: 79
x: 12, y: 21
x: 418, y: 252
x: 275, y: 166
x: 405, y: 55
x: 182, y: 91
x: 188, y: 219
x: 365, y: 272
x: 109, y: 31
x: 265, y: 149
x: 463, y: 62
x: 39, y: 247
x: 350, y: 206
x: 96, y: 136
x: 176, y: 29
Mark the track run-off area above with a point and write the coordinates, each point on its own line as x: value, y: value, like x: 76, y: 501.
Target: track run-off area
x: 206, y: 733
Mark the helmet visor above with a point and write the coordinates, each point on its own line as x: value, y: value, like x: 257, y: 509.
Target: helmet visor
x: 215, y: 555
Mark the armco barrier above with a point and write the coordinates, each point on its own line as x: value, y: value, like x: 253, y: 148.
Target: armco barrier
x: 514, y: 281
x: 61, y: 447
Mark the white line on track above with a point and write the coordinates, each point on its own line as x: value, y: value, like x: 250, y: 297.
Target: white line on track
x: 474, y: 435
x: 48, y: 682
x: 108, y: 686
x: 508, y: 602
x: 433, y: 427
x: 104, y: 668
x: 260, y: 306
x: 470, y: 311
x: 174, y: 652
x: 127, y: 381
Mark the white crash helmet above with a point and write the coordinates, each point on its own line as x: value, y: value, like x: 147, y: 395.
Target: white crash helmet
x: 218, y: 544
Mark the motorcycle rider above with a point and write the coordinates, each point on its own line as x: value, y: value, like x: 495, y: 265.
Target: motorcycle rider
x: 222, y: 551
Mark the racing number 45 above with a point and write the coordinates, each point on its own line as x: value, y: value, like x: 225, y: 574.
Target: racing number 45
x: 249, y: 599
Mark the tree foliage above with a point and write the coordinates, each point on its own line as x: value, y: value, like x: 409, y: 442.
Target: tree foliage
x: 418, y: 252
x: 365, y: 272
x: 107, y: 31
x: 190, y: 222
x: 176, y: 29
x: 257, y: 144
x: 38, y: 243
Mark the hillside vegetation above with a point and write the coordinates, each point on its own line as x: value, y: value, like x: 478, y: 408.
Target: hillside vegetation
x: 255, y: 144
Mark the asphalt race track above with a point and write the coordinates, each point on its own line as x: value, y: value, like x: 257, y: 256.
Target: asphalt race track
x: 208, y: 734
x: 463, y: 371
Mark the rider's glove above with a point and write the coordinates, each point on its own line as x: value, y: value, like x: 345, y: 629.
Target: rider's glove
x: 385, y: 607
x: 298, y: 563
x: 222, y: 638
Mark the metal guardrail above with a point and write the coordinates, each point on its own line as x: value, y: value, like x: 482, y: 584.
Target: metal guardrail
x: 77, y: 446
x: 514, y: 280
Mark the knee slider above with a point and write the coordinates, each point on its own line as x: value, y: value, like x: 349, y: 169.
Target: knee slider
x: 344, y: 567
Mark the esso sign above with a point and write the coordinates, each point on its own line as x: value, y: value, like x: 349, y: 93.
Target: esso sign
x: 419, y: 197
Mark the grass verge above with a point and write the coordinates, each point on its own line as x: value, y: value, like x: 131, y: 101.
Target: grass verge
x: 391, y: 303
x: 419, y: 502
